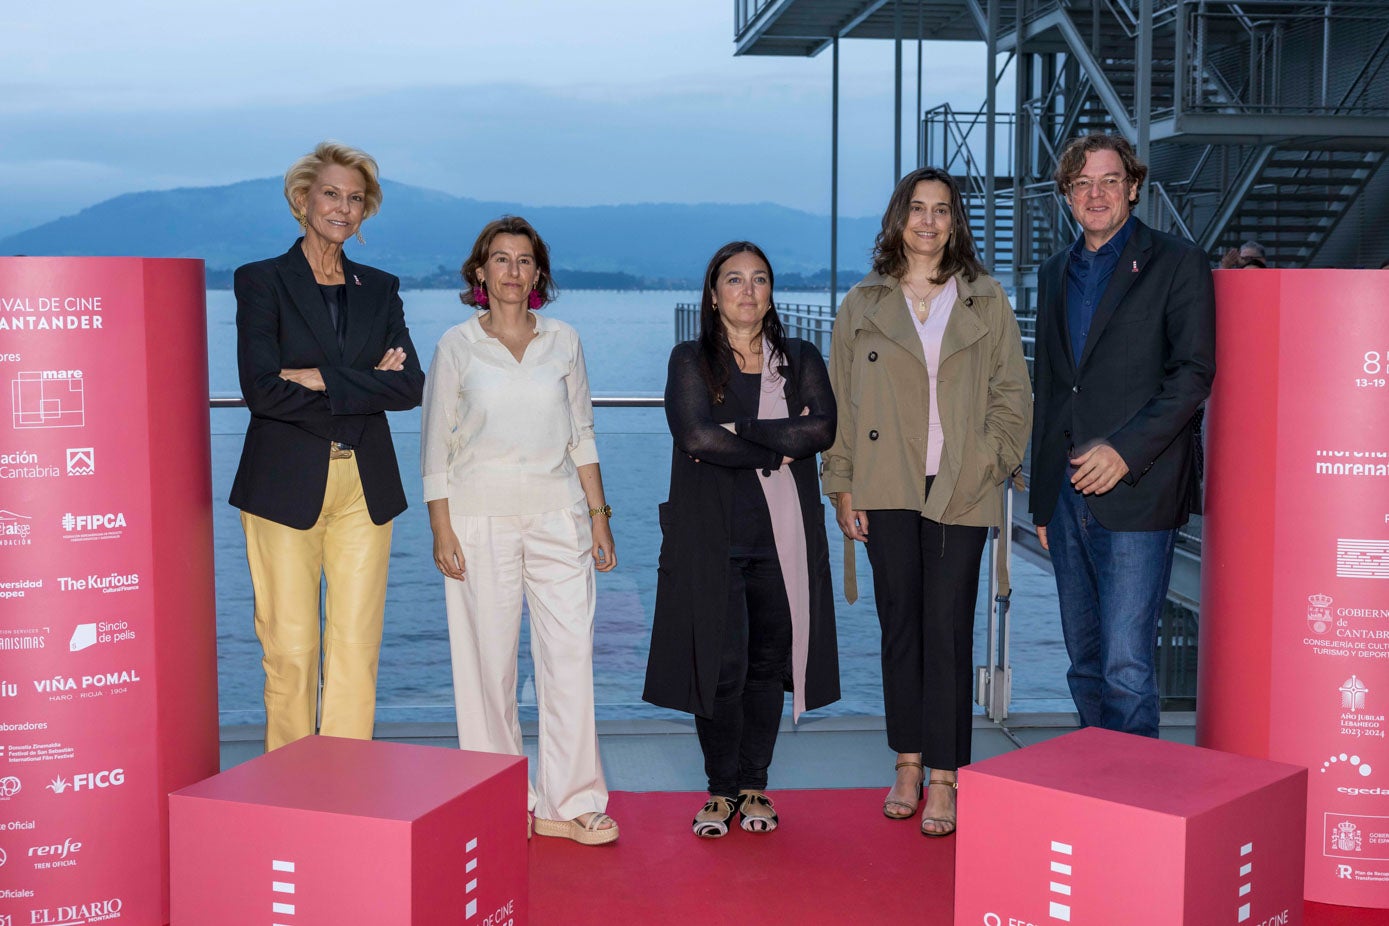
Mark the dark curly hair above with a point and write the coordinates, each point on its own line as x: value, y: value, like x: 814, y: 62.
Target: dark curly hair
x: 1072, y: 161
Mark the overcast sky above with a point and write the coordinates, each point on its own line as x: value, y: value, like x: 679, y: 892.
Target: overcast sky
x: 567, y: 102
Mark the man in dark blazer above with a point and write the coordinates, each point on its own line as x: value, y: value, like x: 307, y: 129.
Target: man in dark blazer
x: 1125, y: 355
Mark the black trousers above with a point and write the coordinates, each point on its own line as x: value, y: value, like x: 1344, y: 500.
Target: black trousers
x: 926, y: 580
x: 739, y: 739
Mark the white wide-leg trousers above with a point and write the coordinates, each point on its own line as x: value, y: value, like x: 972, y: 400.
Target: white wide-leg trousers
x: 547, y: 558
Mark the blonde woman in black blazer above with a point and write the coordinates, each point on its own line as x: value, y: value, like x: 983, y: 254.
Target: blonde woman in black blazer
x: 323, y: 353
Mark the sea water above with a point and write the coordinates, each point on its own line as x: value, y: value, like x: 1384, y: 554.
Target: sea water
x: 627, y: 337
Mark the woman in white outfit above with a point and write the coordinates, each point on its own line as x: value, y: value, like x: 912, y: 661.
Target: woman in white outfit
x: 516, y: 506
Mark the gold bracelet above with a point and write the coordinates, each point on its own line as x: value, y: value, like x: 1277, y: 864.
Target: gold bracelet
x: 606, y: 511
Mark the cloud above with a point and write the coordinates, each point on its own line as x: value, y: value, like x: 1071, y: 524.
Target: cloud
x: 528, y: 101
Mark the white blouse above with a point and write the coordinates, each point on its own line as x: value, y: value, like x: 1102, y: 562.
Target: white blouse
x: 931, y: 332
x: 501, y: 437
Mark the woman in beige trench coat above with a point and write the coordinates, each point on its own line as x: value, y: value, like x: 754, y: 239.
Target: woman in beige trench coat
x: 934, y: 413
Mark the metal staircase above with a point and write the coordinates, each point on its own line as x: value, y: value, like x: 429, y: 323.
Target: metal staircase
x: 1266, y: 120
x: 1291, y: 198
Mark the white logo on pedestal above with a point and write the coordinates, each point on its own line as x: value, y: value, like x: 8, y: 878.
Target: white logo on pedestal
x: 94, y: 526
x: 48, y: 399
x: 83, y: 637
x: 1061, y: 910
x: 1246, y: 869
x: 1319, y: 613
x: 471, y: 910
x: 1346, y: 837
x: 1358, y: 558
x: 1353, y: 694
x: 281, y: 887
x: 14, y: 529
x: 1354, y: 762
x: 81, y: 461
x: 88, y: 781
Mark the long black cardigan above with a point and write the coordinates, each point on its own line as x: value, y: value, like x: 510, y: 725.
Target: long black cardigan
x: 692, y: 582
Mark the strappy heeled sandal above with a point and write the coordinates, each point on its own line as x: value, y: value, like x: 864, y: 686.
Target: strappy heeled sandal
x: 943, y: 821
x: 588, y: 833
x: 713, y: 818
x: 758, y: 814
x: 907, y: 809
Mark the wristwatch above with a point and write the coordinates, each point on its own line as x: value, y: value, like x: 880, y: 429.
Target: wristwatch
x: 606, y: 511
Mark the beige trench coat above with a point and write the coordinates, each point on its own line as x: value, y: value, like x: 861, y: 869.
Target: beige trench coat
x: 878, y: 372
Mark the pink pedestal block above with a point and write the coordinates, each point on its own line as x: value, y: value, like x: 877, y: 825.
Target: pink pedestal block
x: 1100, y: 828
x: 327, y: 831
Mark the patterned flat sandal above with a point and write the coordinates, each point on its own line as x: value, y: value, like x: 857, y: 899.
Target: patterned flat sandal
x: 894, y: 809
x: 758, y: 814
x: 948, y: 822
x: 585, y: 833
x: 713, y: 818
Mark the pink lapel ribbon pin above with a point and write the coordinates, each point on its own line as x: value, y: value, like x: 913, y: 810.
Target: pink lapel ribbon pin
x: 1135, y: 270
x: 359, y: 282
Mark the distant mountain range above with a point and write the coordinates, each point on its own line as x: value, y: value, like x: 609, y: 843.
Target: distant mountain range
x: 423, y: 235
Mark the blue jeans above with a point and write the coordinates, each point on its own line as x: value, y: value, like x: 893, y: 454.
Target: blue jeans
x: 1111, y: 586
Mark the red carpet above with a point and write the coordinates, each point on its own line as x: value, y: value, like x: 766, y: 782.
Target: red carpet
x: 835, y: 860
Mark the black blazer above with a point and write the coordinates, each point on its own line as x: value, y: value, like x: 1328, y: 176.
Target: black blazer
x: 1147, y: 366
x: 687, y: 627
x: 283, y: 323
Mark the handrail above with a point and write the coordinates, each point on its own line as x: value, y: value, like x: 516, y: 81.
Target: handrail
x: 1258, y: 51
x: 232, y: 400
x: 745, y: 13
x: 1157, y: 188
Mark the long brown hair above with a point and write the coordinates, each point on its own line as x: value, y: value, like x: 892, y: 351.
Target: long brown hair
x: 889, y: 254
x: 715, y: 352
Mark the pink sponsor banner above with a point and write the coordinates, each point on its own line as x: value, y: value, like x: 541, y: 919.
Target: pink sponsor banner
x: 97, y: 359
x: 1296, y: 571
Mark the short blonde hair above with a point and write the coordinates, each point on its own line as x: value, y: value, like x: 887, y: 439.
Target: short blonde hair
x: 303, y: 172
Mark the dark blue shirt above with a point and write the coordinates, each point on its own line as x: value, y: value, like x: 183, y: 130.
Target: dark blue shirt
x: 1087, y: 275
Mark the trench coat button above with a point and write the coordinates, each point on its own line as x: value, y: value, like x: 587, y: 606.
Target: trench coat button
x: 1075, y: 389
x: 970, y: 302
x: 872, y: 356
x: 873, y: 434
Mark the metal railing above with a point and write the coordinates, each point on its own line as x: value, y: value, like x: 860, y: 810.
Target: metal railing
x: 1166, y: 216
x: 811, y: 322
x: 1177, y: 635
x: 745, y: 12
x: 1285, y: 57
x: 232, y: 400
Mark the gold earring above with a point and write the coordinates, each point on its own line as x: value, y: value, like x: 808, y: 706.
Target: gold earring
x: 360, y: 239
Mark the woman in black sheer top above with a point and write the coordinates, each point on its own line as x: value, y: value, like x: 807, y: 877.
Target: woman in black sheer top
x: 744, y: 608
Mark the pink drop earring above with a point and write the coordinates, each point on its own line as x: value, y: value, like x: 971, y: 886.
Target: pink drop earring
x: 534, y: 300
x: 480, y: 296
